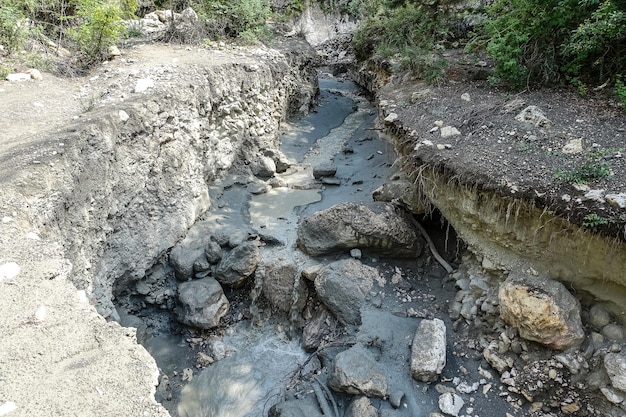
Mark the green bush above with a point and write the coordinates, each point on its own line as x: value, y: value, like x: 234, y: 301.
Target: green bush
x: 99, y: 25
x: 414, y: 31
x: 243, y: 19
x: 545, y: 41
x: 13, y: 29
x: 596, y: 48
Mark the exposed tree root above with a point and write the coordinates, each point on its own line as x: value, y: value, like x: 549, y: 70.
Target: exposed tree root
x: 432, y: 247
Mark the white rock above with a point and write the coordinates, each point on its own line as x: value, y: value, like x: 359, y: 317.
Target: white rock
x: 441, y: 147
x: 35, y: 74
x: 40, y: 314
x: 18, y: 76
x: 616, y: 200
x: 595, y: 195
x: 465, y: 97
x: 433, y: 130
x: 123, y: 116
x: 7, y: 219
x: 391, y: 117
x: 533, y: 115
x: 566, y: 197
x: 427, y: 142
x: 573, y: 146
x: 7, y: 407
x: 114, y: 51
x: 143, y: 84
x: 356, y: 253
x: 439, y: 123
x: 612, y: 395
x: 449, y: 131
x: 9, y: 270
x: 450, y: 404
x: 33, y: 236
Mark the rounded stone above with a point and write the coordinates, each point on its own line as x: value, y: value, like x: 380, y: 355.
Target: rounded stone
x: 599, y: 316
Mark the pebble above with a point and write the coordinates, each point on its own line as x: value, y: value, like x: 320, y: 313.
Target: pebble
x: 395, y: 399
x: 356, y: 253
x: 9, y: 270
x: 7, y: 407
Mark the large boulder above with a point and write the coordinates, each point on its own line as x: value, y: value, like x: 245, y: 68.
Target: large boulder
x: 379, y: 226
x: 202, y: 303
x: 428, y: 351
x: 282, y: 286
x: 343, y: 287
x: 355, y: 371
x: 542, y: 310
x: 239, y: 264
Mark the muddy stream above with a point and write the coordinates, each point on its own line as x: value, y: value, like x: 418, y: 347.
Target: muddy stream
x: 256, y: 359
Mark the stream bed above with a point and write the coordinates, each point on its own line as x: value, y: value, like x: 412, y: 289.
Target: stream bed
x: 254, y: 360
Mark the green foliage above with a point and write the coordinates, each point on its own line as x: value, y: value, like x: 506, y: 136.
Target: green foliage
x: 13, y: 29
x: 543, y: 41
x: 414, y: 31
x: 594, y: 167
x: 594, y: 220
x: 100, y: 26
x: 242, y: 19
x: 620, y: 89
x: 596, y: 48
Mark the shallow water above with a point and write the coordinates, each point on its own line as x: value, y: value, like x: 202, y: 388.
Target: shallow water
x: 247, y: 383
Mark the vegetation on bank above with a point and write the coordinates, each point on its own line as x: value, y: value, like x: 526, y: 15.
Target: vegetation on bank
x: 581, y: 42
x: 532, y: 42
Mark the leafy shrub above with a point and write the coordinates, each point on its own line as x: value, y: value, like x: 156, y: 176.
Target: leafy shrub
x: 593, y: 220
x: 544, y: 41
x: 596, y: 48
x: 620, y: 89
x: 99, y: 25
x: 412, y: 30
x: 13, y: 29
x: 243, y: 19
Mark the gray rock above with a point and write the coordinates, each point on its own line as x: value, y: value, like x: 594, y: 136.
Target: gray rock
x: 542, y: 310
x: 315, y: 330
x: 295, y: 408
x: 330, y: 181
x: 203, y: 303
x: 343, y: 287
x: 613, y: 332
x: 395, y: 398
x: 239, y: 264
x: 355, y: 371
x: 615, y: 365
x: 449, y: 131
x: 428, y: 351
x: 532, y: 114
x: 184, y: 255
x: 201, y: 264
x: 324, y: 169
x: 264, y: 167
x: 356, y: 253
x: 403, y: 190
x: 618, y: 201
x: 361, y: 407
x: 282, y: 286
x: 379, y: 226
x: 213, y: 252
x: 450, y: 404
